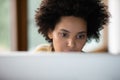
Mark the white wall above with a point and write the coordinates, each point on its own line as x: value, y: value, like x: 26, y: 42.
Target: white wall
x: 114, y: 27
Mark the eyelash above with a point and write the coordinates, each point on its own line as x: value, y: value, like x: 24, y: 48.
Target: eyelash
x: 80, y: 36
x: 63, y: 35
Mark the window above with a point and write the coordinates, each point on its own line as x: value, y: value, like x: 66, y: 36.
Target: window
x: 34, y: 38
x: 5, y: 25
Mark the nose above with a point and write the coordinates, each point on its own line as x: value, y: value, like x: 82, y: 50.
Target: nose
x: 71, y: 43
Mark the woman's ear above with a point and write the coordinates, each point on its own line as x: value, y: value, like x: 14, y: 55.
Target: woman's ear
x: 50, y: 34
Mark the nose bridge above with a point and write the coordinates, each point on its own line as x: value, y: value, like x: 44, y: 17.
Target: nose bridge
x: 71, y: 42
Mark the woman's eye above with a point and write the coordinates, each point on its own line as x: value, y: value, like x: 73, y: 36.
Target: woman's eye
x: 63, y: 34
x: 80, y: 36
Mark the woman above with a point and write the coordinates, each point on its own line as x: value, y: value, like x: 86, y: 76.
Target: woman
x: 68, y: 24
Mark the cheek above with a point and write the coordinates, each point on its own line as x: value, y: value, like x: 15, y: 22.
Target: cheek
x: 58, y: 43
x: 80, y: 44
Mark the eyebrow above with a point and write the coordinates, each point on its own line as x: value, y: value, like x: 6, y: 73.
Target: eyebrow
x: 65, y: 30
x: 82, y: 32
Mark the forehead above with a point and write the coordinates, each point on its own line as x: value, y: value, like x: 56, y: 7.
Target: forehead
x: 72, y: 24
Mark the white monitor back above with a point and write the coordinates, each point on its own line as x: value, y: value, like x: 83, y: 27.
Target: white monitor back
x: 53, y: 66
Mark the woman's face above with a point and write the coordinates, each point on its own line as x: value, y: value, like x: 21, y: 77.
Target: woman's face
x: 70, y: 34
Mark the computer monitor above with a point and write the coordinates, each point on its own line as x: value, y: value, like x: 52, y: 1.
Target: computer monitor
x: 59, y: 66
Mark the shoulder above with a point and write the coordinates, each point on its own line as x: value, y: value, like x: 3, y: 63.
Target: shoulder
x: 43, y: 47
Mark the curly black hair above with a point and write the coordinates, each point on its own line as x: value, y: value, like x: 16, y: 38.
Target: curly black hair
x: 94, y: 12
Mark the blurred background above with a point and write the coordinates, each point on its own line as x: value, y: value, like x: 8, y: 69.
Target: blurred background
x: 18, y: 31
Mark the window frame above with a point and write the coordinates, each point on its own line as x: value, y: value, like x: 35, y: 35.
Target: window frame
x: 19, y: 25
